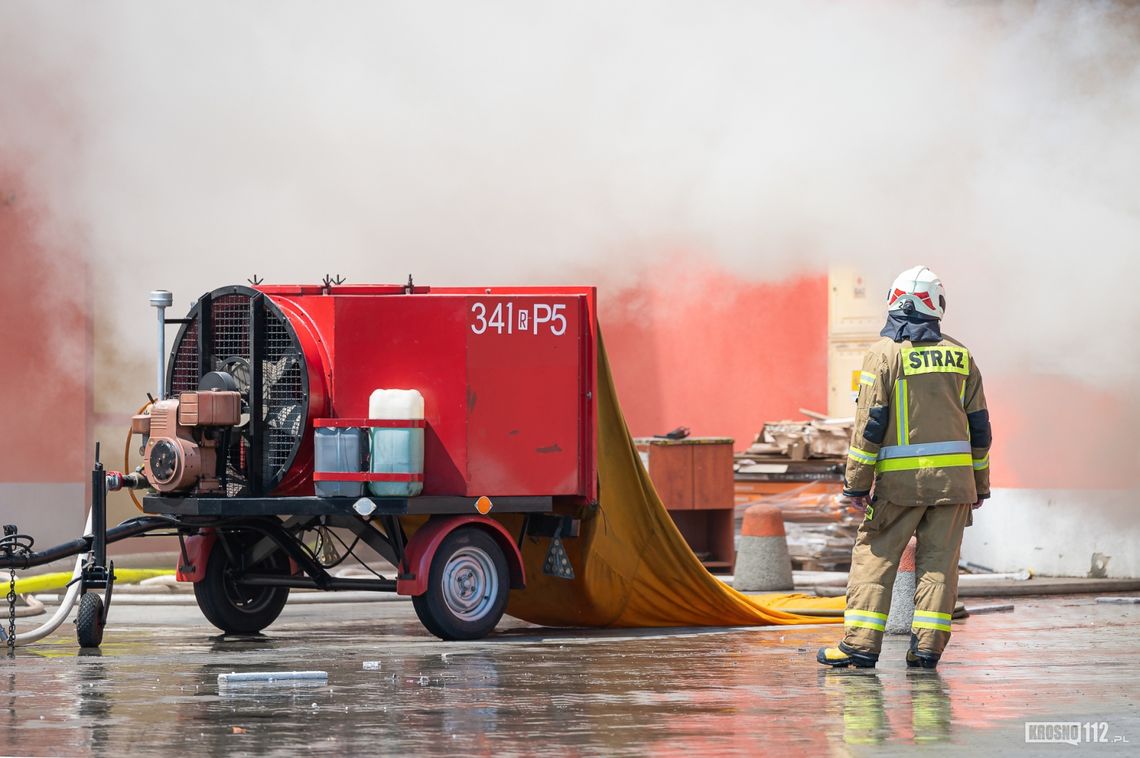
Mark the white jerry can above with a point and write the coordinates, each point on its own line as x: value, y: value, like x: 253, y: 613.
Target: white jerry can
x: 397, y: 450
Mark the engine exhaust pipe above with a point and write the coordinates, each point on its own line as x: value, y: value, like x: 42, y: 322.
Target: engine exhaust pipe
x: 161, y: 300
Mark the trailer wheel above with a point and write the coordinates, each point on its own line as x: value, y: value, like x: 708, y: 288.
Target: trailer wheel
x: 467, y: 586
x: 89, y: 620
x: 236, y: 608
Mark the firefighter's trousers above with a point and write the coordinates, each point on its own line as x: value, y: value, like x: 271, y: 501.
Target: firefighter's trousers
x: 879, y: 545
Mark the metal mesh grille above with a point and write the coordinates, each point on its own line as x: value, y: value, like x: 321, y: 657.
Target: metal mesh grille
x: 284, y: 399
x: 284, y: 405
x: 184, y: 373
x: 231, y: 336
x: 231, y: 353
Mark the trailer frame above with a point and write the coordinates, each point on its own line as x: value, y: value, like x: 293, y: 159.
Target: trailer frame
x: 252, y: 536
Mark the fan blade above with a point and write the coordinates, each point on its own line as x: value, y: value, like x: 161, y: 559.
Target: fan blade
x: 273, y: 370
x: 287, y: 419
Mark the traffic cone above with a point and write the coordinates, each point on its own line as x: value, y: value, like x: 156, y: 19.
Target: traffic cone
x: 762, y: 561
x: 902, y: 598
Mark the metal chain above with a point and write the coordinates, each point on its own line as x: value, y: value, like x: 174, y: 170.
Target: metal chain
x: 12, y: 611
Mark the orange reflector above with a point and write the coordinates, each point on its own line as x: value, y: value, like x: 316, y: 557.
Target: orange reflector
x: 483, y: 505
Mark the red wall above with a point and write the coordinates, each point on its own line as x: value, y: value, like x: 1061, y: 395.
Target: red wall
x: 691, y: 346
x: 44, y: 351
x: 702, y: 349
x: 722, y: 356
x: 1054, y: 432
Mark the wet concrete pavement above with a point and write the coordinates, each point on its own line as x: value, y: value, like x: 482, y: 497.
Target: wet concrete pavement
x: 153, y: 688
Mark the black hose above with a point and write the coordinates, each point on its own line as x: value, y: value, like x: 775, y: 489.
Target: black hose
x: 129, y: 528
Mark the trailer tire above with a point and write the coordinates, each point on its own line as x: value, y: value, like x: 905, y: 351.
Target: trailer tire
x: 468, y: 586
x: 89, y: 620
x: 233, y: 608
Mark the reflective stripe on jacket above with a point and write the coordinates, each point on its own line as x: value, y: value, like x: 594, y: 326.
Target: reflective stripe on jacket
x: 922, y: 432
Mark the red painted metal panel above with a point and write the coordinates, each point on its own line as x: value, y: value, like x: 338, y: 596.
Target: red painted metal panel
x: 524, y: 388
x: 508, y: 378
x: 409, y: 342
x: 587, y: 361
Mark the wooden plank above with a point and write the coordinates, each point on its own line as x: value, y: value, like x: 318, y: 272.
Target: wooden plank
x: 671, y: 469
x: 712, y: 476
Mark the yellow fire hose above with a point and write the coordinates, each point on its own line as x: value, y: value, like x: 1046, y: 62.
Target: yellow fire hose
x: 59, y: 579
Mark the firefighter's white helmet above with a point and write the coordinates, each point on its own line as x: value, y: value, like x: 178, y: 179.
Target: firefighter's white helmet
x: 918, y: 290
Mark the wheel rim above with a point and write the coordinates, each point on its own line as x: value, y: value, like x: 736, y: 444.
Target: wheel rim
x: 470, y: 583
x: 245, y: 598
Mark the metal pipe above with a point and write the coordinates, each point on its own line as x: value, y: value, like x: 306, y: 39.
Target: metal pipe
x: 129, y: 528
x: 276, y: 580
x: 161, y: 300
x: 99, y: 511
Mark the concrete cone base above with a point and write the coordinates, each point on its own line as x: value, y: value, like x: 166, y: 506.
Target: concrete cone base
x: 763, y: 565
x: 902, y: 597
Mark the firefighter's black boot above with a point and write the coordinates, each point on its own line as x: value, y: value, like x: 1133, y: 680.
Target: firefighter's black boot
x: 843, y: 656
x: 917, y: 659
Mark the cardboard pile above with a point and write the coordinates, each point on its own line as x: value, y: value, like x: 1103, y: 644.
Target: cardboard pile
x: 820, y: 437
x: 797, y: 451
x: 797, y: 466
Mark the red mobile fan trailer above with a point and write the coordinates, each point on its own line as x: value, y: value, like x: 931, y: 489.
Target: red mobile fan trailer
x: 508, y: 382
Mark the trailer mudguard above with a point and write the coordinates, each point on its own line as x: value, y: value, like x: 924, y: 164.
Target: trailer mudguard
x: 418, y: 554
x: 192, y: 561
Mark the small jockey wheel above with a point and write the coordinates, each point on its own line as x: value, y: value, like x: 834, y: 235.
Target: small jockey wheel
x: 90, y: 620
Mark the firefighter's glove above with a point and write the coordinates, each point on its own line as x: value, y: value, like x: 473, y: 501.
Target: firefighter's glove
x: 859, y: 504
x: 978, y: 504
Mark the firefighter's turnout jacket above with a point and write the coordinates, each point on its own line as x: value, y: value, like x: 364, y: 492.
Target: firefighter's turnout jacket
x: 922, y: 430
x: 922, y: 441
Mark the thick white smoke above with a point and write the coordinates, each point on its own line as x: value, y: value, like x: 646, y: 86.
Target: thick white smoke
x: 183, y: 145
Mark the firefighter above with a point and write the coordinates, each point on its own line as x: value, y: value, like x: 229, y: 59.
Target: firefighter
x: 918, y: 465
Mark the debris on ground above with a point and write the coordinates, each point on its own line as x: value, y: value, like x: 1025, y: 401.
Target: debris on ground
x: 272, y: 677
x: 974, y: 610
x: 819, y: 437
x: 819, y: 524
x: 797, y: 466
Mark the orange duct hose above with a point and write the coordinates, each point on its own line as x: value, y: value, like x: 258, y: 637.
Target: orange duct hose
x: 127, y: 455
x: 633, y: 568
